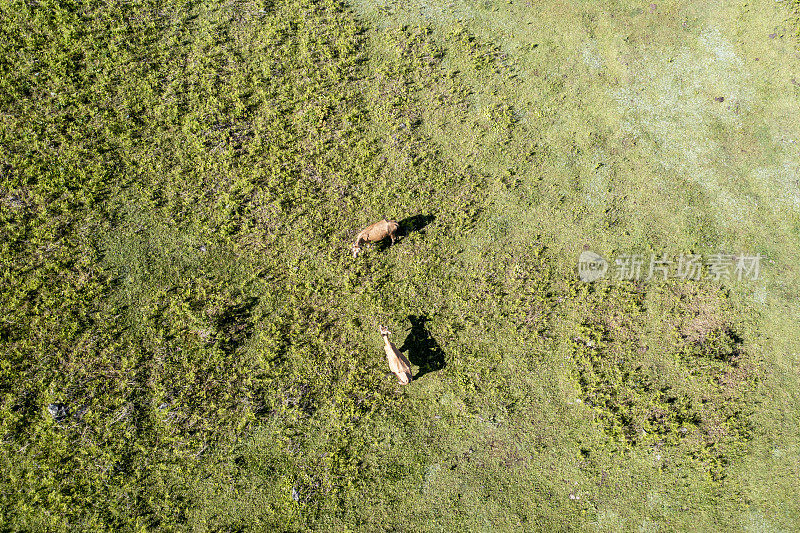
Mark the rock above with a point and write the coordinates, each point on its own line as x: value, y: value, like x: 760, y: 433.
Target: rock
x: 58, y: 411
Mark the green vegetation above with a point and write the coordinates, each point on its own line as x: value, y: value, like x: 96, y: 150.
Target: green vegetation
x: 188, y: 344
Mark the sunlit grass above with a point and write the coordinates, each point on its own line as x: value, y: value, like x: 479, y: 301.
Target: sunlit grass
x: 180, y: 186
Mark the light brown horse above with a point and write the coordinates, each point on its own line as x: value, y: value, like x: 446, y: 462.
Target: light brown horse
x: 376, y: 232
x: 398, y: 363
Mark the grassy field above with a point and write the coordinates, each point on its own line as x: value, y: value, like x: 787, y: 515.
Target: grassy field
x: 188, y: 343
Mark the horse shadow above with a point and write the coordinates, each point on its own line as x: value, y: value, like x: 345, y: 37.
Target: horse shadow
x: 414, y: 224
x: 423, y: 350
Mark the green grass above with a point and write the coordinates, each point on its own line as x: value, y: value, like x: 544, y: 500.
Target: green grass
x: 180, y: 187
